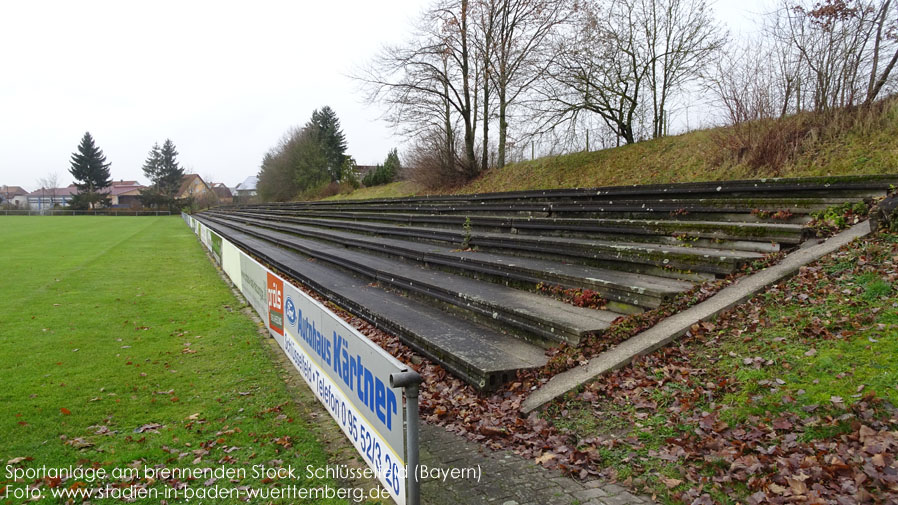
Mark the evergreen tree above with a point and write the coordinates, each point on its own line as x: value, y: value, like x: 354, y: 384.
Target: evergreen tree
x: 170, y: 171
x: 312, y: 165
x: 330, y: 136
x: 151, y: 196
x: 91, y: 173
x: 385, y: 173
x: 151, y: 165
x: 163, y: 170
x: 391, y: 166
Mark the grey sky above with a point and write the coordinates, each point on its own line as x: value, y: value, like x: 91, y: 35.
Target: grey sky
x: 224, y: 80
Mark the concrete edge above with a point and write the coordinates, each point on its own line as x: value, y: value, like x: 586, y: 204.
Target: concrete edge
x: 677, y: 325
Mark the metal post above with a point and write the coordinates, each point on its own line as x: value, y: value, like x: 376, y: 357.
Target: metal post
x: 414, y: 487
x: 409, y: 380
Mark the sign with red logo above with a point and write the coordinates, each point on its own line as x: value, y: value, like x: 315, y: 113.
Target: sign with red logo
x: 275, y: 304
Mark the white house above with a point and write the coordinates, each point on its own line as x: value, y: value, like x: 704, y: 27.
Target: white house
x: 13, y: 196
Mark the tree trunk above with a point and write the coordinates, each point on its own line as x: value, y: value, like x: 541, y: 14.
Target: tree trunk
x: 883, y: 78
x: 876, y: 44
x: 449, y: 158
x: 484, y: 163
x: 503, y: 127
x: 470, y: 156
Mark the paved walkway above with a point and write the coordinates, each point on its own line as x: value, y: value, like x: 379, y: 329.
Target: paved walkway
x: 505, y: 478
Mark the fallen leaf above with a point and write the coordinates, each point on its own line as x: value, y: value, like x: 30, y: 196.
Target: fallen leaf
x: 547, y: 456
x: 149, y: 428
x: 671, y: 483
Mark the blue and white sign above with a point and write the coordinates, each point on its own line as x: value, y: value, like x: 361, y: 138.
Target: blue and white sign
x: 348, y: 373
x: 290, y: 309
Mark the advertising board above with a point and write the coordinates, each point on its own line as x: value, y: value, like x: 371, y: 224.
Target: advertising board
x: 348, y: 373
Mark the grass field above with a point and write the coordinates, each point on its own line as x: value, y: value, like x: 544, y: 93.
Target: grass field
x: 120, y: 347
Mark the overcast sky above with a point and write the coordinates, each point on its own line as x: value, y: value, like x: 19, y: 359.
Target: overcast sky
x: 224, y: 80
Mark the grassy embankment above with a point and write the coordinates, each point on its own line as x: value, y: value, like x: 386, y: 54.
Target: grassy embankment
x: 121, y: 347
x: 800, y: 377
x: 842, y: 143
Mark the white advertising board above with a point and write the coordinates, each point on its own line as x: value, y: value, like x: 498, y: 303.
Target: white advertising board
x: 348, y: 373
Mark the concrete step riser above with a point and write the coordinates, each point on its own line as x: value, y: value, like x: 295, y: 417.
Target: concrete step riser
x: 753, y: 237
x: 619, y: 213
x: 533, y: 329
x: 813, y: 187
x: 668, y: 212
x: 649, y: 269
x: 612, y: 257
x: 631, y: 300
x: 480, y: 379
x: 630, y: 267
x: 659, y: 207
x: 745, y: 201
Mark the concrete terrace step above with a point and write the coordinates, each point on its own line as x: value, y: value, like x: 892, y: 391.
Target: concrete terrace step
x: 742, y: 235
x: 627, y: 290
x: 481, y: 356
x: 643, y: 210
x: 799, y: 187
x: 531, y: 316
x: 635, y: 245
x: 727, y: 204
x: 655, y: 259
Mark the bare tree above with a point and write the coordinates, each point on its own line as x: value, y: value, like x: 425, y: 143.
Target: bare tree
x: 680, y: 41
x: 602, y: 73
x: 627, y: 60
x: 431, y: 82
x: 744, y: 83
x: 519, y: 49
x: 48, y: 184
x: 886, y: 32
x: 838, y: 45
x: 485, y: 28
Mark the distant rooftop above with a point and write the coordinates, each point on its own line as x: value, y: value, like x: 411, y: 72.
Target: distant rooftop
x: 71, y: 189
x: 248, y: 184
x: 12, y: 191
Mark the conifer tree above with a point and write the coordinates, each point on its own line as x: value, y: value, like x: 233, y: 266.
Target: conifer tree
x: 170, y: 172
x: 165, y: 173
x: 91, y: 173
x: 331, y: 138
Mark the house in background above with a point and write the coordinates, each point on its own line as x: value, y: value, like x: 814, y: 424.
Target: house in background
x: 125, y: 194
x: 363, y: 170
x: 49, y: 198
x: 246, y: 190
x: 193, y: 186
x: 225, y: 197
x: 14, y: 197
x: 195, y: 189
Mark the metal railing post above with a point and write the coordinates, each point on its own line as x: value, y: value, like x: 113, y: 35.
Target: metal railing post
x: 409, y: 380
